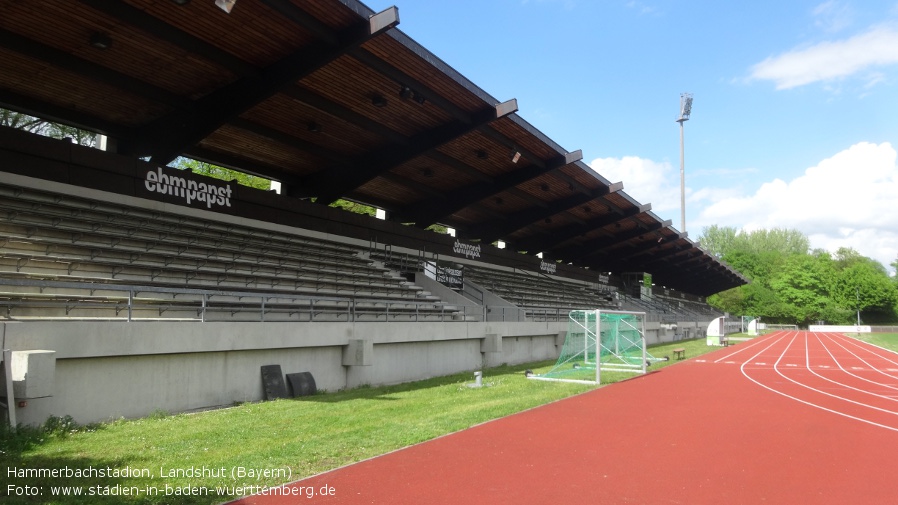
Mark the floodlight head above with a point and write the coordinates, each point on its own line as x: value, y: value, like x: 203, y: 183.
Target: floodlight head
x: 225, y: 5
x: 100, y: 40
x: 685, y: 107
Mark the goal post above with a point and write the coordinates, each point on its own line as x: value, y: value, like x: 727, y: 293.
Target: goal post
x: 600, y: 341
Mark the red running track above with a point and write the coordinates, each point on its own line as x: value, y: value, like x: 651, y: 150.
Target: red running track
x: 792, y: 417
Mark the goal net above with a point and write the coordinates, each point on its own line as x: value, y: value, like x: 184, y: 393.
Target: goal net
x: 600, y: 341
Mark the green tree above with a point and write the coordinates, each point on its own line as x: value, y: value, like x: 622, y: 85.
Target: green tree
x: 846, y: 257
x: 731, y: 301
x: 718, y: 240
x: 19, y: 121
x: 865, y: 286
x: 791, y: 284
x: 759, y: 267
x: 783, y: 240
x: 723, y: 240
x: 762, y: 301
x: 355, y: 207
x: 804, y: 285
x: 217, y: 172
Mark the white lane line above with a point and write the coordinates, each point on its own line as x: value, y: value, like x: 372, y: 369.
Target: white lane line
x: 799, y: 400
x: 754, y: 343
x: 869, y: 351
x: 889, y: 386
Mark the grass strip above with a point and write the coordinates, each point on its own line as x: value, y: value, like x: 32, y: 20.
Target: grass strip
x: 156, y: 459
x: 885, y: 340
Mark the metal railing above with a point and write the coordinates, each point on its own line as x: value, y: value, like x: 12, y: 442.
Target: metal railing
x: 141, y: 302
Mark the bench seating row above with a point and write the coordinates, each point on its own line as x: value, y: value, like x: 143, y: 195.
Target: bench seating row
x: 59, y: 239
x: 531, y: 291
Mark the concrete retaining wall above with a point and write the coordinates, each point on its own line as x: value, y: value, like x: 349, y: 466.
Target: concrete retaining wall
x: 107, y: 370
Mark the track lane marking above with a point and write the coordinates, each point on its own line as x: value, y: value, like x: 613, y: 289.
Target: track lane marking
x: 832, y: 338
x: 799, y: 400
x: 845, y: 385
x: 750, y: 345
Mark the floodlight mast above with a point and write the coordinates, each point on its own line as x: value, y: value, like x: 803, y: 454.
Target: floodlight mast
x: 685, y: 110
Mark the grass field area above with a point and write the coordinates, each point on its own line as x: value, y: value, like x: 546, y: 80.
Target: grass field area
x: 272, y: 442
x: 885, y: 340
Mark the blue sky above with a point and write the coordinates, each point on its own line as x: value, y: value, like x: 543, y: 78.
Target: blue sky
x: 795, y: 115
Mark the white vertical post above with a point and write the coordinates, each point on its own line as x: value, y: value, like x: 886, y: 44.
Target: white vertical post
x: 642, y: 334
x: 598, y: 334
x: 10, y: 397
x: 586, y: 338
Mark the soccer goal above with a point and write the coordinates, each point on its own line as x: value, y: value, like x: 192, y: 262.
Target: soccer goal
x: 600, y: 341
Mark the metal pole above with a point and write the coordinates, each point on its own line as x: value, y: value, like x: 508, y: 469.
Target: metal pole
x: 682, y: 179
x: 685, y: 111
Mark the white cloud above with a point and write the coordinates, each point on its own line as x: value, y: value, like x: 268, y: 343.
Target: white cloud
x: 844, y: 201
x: 641, y: 7
x: 645, y: 180
x: 827, y: 61
x: 832, y: 16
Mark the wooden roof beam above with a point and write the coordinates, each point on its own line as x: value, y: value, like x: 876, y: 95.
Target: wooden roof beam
x: 52, y: 112
x: 493, y: 230
x: 685, y: 249
x: 458, y: 166
x: 375, y: 63
x: 316, y: 101
x: 166, y: 138
x: 333, y: 182
x: 290, y: 11
x: 285, y: 138
x: 599, y: 245
x: 151, y: 25
x: 655, y: 247
x: 331, y: 156
x: 573, y: 231
x: 57, y: 58
x: 427, y: 214
x: 329, y: 107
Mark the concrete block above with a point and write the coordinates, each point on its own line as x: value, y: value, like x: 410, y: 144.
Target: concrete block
x: 358, y: 352
x: 33, y: 374
x: 491, y: 342
x: 273, y: 385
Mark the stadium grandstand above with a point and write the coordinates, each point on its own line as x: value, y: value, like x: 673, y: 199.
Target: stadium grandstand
x: 128, y: 286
